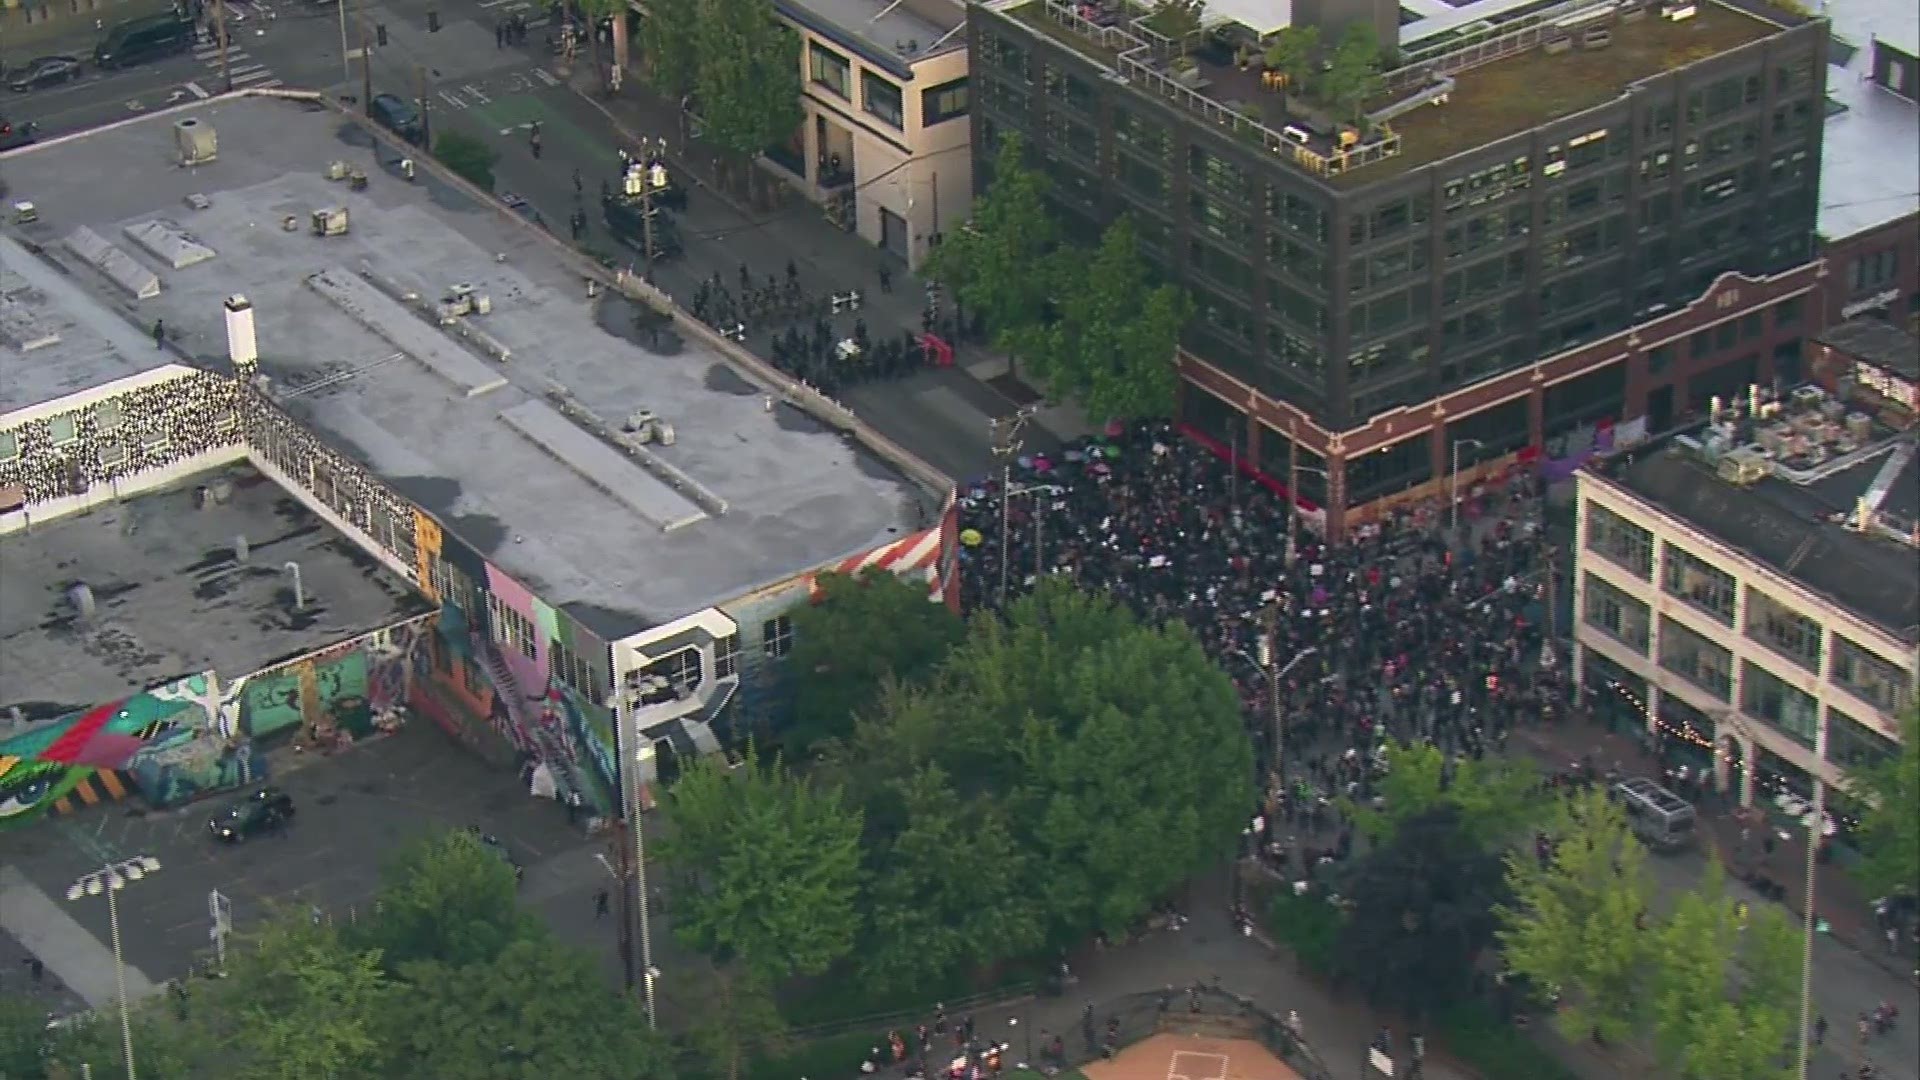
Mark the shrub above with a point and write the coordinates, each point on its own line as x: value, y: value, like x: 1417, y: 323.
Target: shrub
x: 469, y: 158
x: 1307, y: 925
x: 1475, y: 1035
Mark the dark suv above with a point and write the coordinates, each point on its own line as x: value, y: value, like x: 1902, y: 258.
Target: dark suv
x: 396, y: 115
x: 262, y: 811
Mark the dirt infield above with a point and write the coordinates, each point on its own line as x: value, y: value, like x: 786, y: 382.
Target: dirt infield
x: 1191, y: 1057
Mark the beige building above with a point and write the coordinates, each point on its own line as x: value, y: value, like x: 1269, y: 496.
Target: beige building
x: 1752, y: 591
x: 884, y: 146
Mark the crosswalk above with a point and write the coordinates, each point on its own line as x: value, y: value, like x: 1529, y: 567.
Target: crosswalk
x: 246, y: 71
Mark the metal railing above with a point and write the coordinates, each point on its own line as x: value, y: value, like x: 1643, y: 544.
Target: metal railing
x: 1113, y: 1025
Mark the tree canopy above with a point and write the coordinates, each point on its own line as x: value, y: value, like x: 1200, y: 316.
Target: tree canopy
x: 1000, y: 263
x: 1726, y: 989
x: 448, y: 897
x: 1117, y: 332
x: 1494, y: 799
x: 1890, y: 822
x: 746, y: 75
x: 859, y: 634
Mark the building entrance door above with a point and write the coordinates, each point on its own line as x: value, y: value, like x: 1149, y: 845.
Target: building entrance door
x: 893, y: 232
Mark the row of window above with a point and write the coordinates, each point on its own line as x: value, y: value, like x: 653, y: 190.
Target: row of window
x: 881, y: 97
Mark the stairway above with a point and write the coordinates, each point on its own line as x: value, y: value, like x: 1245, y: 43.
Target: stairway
x: 534, y: 734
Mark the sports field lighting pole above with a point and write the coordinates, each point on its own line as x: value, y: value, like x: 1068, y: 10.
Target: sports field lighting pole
x: 110, y: 879
x: 1453, y: 485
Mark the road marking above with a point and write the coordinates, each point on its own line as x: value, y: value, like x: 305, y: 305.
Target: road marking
x: 252, y: 77
x: 195, y: 89
x: 453, y: 100
x: 135, y: 106
x: 245, y: 69
x: 546, y: 76
x: 473, y: 92
x: 268, y: 85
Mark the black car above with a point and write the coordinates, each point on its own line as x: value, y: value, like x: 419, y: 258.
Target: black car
x: 395, y: 114
x: 17, y: 134
x: 138, y: 40
x: 262, y: 811
x: 494, y: 845
x: 46, y: 71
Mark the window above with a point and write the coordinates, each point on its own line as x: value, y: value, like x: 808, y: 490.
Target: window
x: 1621, y: 541
x: 108, y: 417
x: 510, y: 628
x: 881, y: 99
x: 1215, y: 218
x: 577, y: 671
x: 1659, y: 359
x: 830, y: 70
x: 62, y: 430
x: 1870, y: 272
x: 1616, y: 614
x: 113, y: 453
x: 1695, y: 659
x: 1218, y: 175
x: 1853, y: 745
x: 1792, y: 712
x: 1140, y: 177
x: 726, y: 656
x: 1869, y: 677
x: 1787, y: 312
x: 1066, y: 86
x: 1005, y: 55
x: 948, y: 101
x: 1783, y: 630
x: 1707, y: 587
x: 9, y: 445
x: 776, y: 636
x: 1141, y: 136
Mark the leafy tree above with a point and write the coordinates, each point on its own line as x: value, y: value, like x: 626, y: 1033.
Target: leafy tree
x: 1725, y: 994
x: 534, y: 1011
x: 951, y: 879
x: 1422, y: 914
x: 746, y: 76
x: 773, y: 866
x: 469, y: 158
x: 1178, y: 20
x: 739, y: 1024
x: 448, y: 897
x: 1494, y: 799
x: 999, y: 264
x: 667, y: 46
x: 300, y: 1003
x: 1353, y: 72
x: 862, y: 631
x: 1292, y: 54
x: 1118, y: 331
x: 23, y: 1035
x: 168, y: 1047
x: 1890, y: 824
x: 1577, y: 923
x: 591, y: 13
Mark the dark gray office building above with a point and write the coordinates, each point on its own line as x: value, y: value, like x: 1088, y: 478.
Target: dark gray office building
x: 1534, y: 179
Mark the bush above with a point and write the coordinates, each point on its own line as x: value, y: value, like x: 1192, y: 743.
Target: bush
x: 836, y: 1055
x: 469, y: 158
x: 1475, y: 1035
x: 1309, y: 927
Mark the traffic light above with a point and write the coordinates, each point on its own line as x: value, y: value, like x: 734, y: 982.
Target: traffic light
x: 380, y: 34
x: 433, y: 21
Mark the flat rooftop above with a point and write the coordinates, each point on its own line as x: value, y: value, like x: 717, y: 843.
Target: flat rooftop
x: 56, y: 339
x: 519, y: 459
x: 1877, y: 342
x: 1491, y: 102
x: 906, y: 30
x: 1870, y: 159
x: 1795, y: 528
x: 170, y: 598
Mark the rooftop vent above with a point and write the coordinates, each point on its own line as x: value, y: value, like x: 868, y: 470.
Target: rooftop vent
x: 195, y: 141
x: 1745, y: 467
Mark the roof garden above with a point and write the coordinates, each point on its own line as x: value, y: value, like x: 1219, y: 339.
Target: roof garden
x: 1550, y: 63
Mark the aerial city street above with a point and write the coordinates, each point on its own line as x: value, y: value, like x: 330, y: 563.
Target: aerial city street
x: 925, y: 540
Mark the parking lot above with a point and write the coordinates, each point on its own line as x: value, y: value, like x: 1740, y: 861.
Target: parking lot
x: 354, y: 810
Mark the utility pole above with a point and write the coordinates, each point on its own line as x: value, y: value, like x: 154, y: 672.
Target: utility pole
x: 420, y: 86
x: 346, y: 62
x: 220, y: 28
x: 1004, y: 444
x: 366, y: 67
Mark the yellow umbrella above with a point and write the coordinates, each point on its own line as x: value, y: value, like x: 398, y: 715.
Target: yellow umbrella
x: 971, y: 537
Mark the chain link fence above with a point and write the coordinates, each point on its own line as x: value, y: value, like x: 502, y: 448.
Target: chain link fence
x: 1109, y: 1027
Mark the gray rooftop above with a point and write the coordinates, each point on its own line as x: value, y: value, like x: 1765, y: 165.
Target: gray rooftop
x: 903, y: 30
x: 773, y: 492
x: 169, y: 598
x: 1876, y: 341
x: 1870, y: 169
x: 1794, y: 528
x: 56, y: 339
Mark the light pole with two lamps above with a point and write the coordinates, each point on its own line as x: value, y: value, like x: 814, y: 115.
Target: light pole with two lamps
x: 110, y: 879
x: 1265, y: 662
x: 1453, y: 484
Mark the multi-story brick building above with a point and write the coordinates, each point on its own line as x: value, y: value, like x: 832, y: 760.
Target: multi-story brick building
x: 1523, y: 241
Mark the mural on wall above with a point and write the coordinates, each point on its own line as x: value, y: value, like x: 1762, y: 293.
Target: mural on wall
x: 161, y: 743
x: 587, y: 729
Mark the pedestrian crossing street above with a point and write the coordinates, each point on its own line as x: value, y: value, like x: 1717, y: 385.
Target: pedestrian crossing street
x: 534, y: 14
x: 247, y: 72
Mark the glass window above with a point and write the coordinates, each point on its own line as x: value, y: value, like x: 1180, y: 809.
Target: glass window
x: 726, y: 656
x: 1659, y: 359
x: 776, y: 636
x: 948, y: 101
x: 880, y: 97
x: 1688, y: 577
x: 1218, y: 175
x: 1853, y: 745
x: 1790, y: 711
x: 1070, y: 88
x: 1783, y: 630
x: 62, y: 430
x: 830, y: 70
x: 1141, y: 136
x: 1621, y: 541
x: 113, y: 452
x: 1869, y: 677
x: 1695, y: 659
x: 1614, y: 613
x: 9, y: 445
x: 1005, y: 55
x: 1787, y: 312
x: 108, y: 417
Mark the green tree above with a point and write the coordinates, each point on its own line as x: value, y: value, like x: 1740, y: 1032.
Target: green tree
x: 777, y: 887
x: 1000, y: 263
x: 746, y: 77
x: 1422, y: 913
x: 469, y: 158
x: 1725, y: 993
x: 1890, y: 823
x: 1178, y: 20
x: 738, y: 1023
x: 1118, y: 330
x: 1576, y: 924
x: 948, y: 882
x: 591, y: 13
x: 667, y: 46
x: 23, y: 1037
x: 1495, y: 798
x: 449, y: 897
x: 534, y: 1011
x: 1292, y: 54
x: 1353, y: 73
x: 862, y: 631
x: 300, y: 1003
x: 169, y: 1047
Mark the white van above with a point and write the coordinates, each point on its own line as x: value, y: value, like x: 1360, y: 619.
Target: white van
x: 1662, y: 820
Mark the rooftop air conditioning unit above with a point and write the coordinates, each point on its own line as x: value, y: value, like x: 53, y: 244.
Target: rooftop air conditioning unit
x: 195, y: 141
x: 1744, y: 467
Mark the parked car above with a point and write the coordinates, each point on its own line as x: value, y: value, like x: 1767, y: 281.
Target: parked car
x: 139, y: 40
x: 499, y: 849
x: 20, y: 134
x: 44, y: 71
x: 397, y: 115
x: 265, y: 809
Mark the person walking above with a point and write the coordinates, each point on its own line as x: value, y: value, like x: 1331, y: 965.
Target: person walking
x: 159, y: 333
x: 533, y: 139
x: 601, y: 904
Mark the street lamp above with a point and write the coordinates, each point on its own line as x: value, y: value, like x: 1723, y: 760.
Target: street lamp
x: 635, y: 753
x: 1453, y: 485
x: 110, y: 879
x: 1005, y: 445
x: 1274, y: 673
x: 1294, y: 469
x: 649, y: 972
